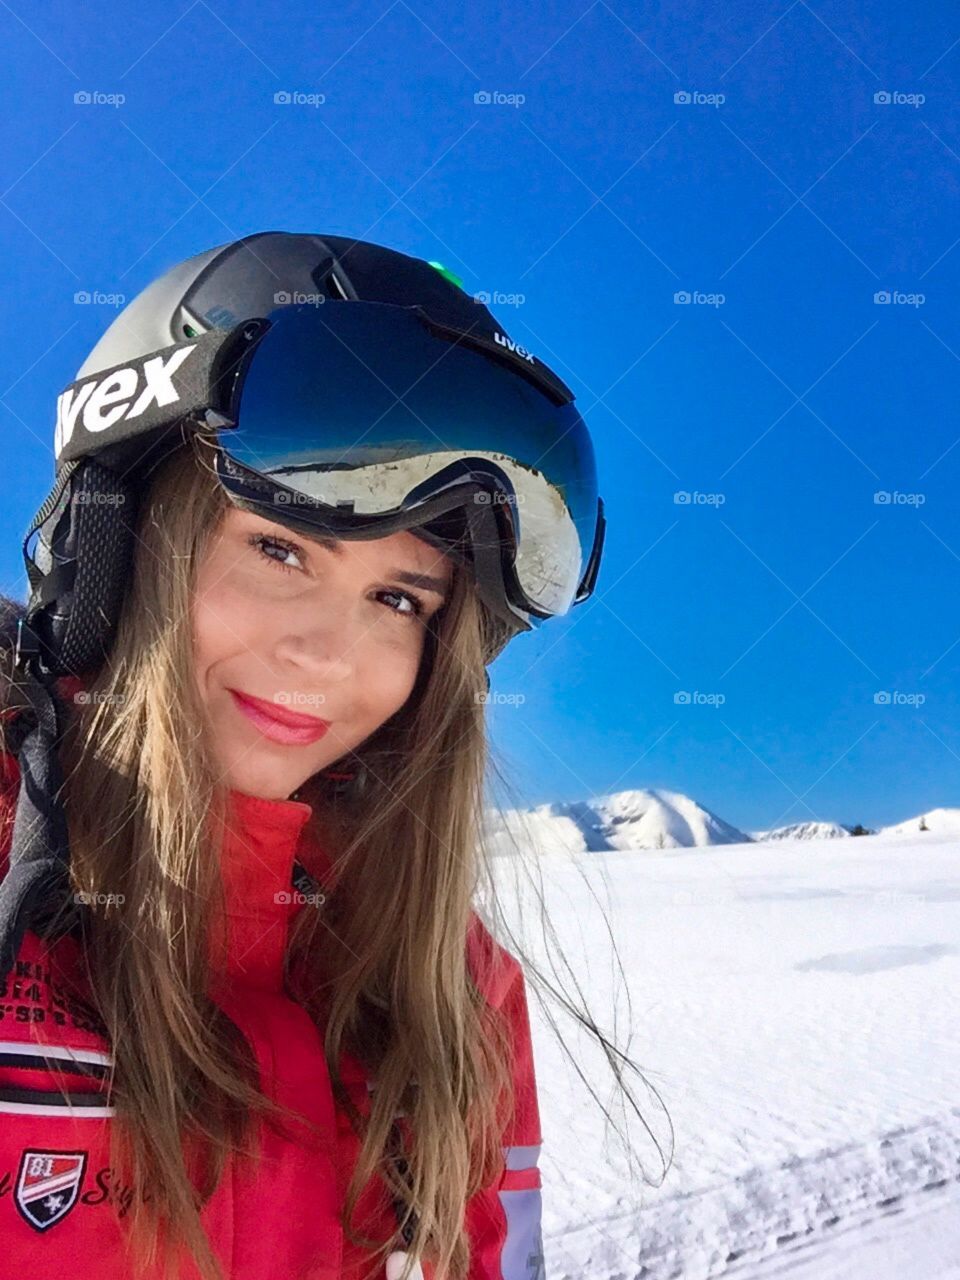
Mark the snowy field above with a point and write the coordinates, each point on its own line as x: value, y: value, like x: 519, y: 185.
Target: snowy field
x: 795, y: 1005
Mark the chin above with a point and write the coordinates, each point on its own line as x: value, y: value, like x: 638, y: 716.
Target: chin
x: 257, y: 778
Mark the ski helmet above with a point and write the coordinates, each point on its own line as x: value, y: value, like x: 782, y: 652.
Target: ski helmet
x: 352, y: 386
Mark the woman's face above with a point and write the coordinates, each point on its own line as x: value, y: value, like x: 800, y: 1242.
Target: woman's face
x: 291, y: 632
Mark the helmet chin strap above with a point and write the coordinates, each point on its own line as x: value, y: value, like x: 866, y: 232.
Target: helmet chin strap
x: 38, y: 874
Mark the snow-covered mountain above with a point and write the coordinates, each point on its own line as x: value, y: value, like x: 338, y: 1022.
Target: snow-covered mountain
x: 940, y: 822
x: 660, y: 819
x: 803, y: 831
x: 647, y: 819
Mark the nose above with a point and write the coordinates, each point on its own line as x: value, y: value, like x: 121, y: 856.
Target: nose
x: 321, y: 646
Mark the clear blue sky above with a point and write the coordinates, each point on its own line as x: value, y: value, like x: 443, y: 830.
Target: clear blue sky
x: 797, y: 398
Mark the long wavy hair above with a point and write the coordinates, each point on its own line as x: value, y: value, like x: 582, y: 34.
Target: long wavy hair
x: 383, y: 970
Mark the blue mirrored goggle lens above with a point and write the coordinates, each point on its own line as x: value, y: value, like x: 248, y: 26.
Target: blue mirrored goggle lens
x: 365, y: 409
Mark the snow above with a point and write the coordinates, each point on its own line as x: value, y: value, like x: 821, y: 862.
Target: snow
x: 941, y: 822
x: 796, y: 1011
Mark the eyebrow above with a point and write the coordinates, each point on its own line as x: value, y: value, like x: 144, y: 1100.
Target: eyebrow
x: 423, y: 580
x: 437, y: 585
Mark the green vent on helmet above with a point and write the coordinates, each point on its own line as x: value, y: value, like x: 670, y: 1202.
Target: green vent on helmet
x: 190, y: 331
x: 447, y: 275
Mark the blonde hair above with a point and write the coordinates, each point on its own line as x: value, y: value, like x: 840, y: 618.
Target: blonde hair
x: 385, y: 964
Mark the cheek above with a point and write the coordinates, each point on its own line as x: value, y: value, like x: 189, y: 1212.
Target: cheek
x: 387, y: 673
x: 208, y: 632
x: 222, y: 621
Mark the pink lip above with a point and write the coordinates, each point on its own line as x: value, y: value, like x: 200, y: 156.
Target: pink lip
x: 277, y: 723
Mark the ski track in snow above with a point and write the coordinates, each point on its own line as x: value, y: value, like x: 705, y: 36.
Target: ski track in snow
x: 795, y: 1005
x: 763, y: 1223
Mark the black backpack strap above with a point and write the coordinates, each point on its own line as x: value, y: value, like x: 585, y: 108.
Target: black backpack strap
x: 38, y: 872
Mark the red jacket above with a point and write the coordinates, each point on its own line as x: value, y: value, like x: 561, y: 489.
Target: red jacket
x: 61, y: 1209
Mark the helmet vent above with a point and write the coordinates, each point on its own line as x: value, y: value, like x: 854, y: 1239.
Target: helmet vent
x: 333, y: 288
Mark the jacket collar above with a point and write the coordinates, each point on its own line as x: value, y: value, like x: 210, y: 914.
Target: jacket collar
x: 262, y: 840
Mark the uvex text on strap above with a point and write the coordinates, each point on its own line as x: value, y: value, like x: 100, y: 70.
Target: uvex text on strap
x: 148, y: 393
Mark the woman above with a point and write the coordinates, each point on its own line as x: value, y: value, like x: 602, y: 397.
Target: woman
x: 255, y: 1026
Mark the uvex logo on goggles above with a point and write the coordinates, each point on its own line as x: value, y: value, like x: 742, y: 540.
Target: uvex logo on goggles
x: 502, y: 340
x: 118, y: 395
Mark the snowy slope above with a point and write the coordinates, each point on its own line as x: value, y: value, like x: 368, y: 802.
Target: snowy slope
x: 940, y: 822
x: 798, y: 1018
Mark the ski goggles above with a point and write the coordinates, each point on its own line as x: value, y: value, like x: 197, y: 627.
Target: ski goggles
x: 363, y: 418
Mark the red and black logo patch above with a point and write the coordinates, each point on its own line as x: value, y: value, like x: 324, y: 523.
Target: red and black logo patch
x: 48, y: 1184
